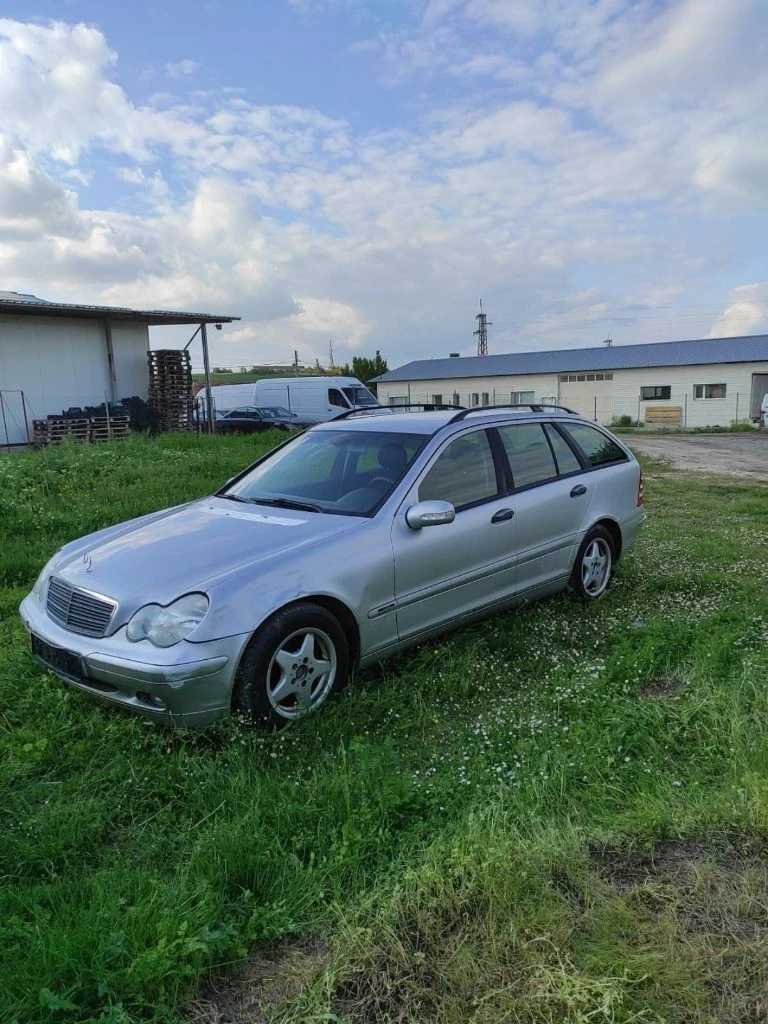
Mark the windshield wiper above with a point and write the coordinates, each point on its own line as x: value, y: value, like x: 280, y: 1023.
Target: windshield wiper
x: 234, y: 497
x: 300, y: 506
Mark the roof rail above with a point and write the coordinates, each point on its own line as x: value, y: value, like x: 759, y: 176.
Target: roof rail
x: 533, y: 406
x: 426, y: 406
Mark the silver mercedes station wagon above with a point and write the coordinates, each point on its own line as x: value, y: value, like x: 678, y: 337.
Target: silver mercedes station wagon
x: 359, y: 537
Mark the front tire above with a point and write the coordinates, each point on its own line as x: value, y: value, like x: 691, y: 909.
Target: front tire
x: 292, y: 665
x: 593, y: 567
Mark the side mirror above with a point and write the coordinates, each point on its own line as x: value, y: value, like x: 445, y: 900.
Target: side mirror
x: 430, y: 513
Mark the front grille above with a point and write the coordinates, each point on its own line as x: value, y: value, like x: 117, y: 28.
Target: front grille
x: 77, y: 610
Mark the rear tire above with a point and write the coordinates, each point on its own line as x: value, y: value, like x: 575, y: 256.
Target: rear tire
x: 593, y: 567
x: 295, y: 661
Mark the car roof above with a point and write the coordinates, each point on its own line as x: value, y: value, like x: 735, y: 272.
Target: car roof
x: 432, y: 421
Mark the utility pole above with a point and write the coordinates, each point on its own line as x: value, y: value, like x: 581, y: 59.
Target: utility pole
x: 330, y: 353
x: 296, y: 362
x: 482, y: 331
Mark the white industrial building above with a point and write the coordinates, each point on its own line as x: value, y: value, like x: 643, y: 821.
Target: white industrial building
x: 711, y: 382
x: 54, y: 356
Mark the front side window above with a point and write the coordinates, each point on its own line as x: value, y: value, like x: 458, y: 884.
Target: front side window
x: 336, y: 398
x: 658, y: 391
x: 530, y: 456
x: 463, y: 474
x: 360, y: 396
x: 599, y: 448
x: 344, y: 472
x: 709, y: 390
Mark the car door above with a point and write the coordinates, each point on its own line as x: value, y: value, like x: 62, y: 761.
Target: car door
x: 551, y: 498
x: 445, y: 572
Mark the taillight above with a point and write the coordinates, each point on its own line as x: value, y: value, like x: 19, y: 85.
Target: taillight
x: 640, y: 492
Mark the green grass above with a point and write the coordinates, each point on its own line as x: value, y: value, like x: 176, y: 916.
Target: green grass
x: 501, y: 826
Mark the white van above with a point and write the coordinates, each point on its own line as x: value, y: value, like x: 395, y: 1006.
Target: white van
x: 312, y: 399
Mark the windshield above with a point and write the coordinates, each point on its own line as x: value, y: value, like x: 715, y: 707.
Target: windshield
x: 360, y: 396
x: 346, y: 472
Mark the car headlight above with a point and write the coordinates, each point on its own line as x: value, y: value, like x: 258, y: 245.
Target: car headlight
x: 39, y: 588
x: 165, y: 627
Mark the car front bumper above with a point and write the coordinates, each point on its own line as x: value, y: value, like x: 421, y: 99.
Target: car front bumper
x: 186, y: 685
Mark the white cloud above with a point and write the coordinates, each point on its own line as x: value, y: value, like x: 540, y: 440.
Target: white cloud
x: 747, y: 313
x: 181, y: 68
x: 584, y: 157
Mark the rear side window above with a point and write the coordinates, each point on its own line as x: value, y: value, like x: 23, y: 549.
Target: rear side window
x: 463, y: 474
x: 599, y: 449
x: 529, y: 454
x: 566, y: 459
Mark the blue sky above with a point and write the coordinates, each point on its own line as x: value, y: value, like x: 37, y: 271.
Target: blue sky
x: 365, y: 170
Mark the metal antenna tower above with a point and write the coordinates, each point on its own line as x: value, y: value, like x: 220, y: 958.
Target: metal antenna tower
x: 482, y: 331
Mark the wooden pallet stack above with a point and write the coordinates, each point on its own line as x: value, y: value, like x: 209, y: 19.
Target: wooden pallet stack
x: 170, y: 388
x: 92, y: 428
x: 54, y: 429
x: 103, y: 428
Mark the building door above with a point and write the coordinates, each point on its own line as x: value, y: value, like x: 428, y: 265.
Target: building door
x: 759, y: 388
x: 590, y: 394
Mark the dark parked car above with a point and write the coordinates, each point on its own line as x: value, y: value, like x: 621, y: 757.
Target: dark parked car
x: 248, y: 419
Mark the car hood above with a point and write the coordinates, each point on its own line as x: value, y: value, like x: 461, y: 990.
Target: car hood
x: 191, y: 548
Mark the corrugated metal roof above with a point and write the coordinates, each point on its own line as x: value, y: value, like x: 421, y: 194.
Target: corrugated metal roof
x: 29, y: 305
x: 751, y: 349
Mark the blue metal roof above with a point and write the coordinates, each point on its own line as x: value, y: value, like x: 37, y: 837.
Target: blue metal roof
x: 752, y: 349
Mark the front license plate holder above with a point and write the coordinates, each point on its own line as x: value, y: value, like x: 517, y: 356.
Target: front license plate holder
x: 59, y: 660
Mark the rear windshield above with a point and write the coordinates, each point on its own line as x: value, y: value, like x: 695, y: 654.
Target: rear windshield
x: 346, y: 472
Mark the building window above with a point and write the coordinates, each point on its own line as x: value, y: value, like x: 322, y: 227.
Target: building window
x: 437, y: 399
x: 486, y: 399
x: 590, y: 376
x: 455, y: 397
x: 609, y: 376
x: 522, y: 397
x: 580, y: 376
x: 398, y: 399
x: 599, y: 376
x: 709, y: 390
x: 658, y: 391
x: 475, y: 398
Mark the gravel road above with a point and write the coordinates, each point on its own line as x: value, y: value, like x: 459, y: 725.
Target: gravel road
x: 739, y: 455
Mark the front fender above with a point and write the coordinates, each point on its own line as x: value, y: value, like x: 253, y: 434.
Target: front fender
x: 356, y: 569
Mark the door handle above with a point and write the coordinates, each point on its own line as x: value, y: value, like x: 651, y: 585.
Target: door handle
x: 578, y: 490
x: 503, y: 515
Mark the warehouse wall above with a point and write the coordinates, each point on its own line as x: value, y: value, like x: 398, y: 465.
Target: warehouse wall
x: 130, y: 343
x: 697, y: 412
x: 498, y: 389
x: 605, y: 400
x: 59, y: 363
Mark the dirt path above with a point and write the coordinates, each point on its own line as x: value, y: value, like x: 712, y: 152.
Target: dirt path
x: 739, y: 455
